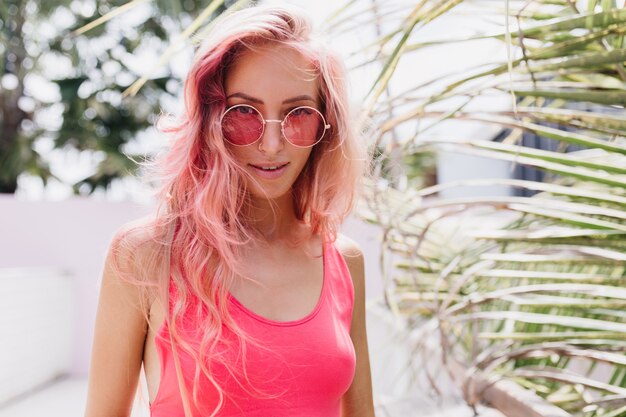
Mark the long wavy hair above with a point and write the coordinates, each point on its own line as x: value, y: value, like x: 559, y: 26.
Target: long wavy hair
x: 201, y: 221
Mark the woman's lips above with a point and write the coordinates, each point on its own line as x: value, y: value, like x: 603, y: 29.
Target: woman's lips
x: 269, y: 171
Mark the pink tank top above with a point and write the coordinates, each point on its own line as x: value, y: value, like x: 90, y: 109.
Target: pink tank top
x: 302, y: 369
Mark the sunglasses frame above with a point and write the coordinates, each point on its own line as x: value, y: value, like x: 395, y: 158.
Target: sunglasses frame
x: 282, y: 124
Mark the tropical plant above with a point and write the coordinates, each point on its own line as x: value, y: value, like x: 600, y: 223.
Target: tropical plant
x: 65, y: 66
x: 524, y: 288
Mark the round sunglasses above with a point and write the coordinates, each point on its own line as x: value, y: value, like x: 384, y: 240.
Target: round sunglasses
x: 303, y: 127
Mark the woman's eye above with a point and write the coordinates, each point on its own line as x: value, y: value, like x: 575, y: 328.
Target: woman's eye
x: 301, y: 111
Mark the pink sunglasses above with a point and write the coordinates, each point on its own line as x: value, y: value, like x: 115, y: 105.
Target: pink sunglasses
x: 303, y: 127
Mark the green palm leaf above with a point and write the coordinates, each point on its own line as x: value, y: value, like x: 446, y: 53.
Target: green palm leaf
x: 514, y: 286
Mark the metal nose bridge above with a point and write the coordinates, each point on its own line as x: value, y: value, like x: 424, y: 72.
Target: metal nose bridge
x: 270, y: 120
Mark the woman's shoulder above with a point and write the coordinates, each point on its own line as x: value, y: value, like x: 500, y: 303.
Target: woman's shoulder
x: 139, y: 243
x: 138, y: 229
x: 353, y: 255
x: 147, y: 230
x: 348, y: 247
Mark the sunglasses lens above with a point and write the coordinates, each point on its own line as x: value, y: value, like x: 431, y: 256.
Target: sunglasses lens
x: 304, y: 126
x: 242, y: 125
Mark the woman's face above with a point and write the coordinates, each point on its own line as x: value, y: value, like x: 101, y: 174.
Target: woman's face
x: 274, y: 79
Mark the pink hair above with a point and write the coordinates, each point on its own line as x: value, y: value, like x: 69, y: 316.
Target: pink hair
x: 201, y: 221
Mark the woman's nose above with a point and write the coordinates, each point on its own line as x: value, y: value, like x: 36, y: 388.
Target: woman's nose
x: 272, y: 140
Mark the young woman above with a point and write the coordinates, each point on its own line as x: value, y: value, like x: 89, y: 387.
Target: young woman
x: 238, y: 296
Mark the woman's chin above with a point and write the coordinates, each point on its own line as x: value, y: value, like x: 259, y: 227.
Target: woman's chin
x: 269, y: 194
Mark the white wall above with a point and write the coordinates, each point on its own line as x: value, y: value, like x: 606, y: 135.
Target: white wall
x: 71, y: 235
x: 36, y: 327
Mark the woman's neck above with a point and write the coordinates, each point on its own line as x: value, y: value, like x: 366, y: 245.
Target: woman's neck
x: 274, y: 219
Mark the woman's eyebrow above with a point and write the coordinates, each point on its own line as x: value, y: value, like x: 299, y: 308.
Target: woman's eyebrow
x: 259, y: 101
x: 245, y: 97
x: 299, y: 98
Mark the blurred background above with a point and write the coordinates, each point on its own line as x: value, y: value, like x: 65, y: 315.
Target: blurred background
x: 492, y: 222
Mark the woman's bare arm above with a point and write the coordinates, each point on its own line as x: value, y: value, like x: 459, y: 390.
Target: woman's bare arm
x: 357, y: 401
x: 117, y: 351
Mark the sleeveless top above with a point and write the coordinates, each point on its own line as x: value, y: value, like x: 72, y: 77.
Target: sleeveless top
x: 297, y: 368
